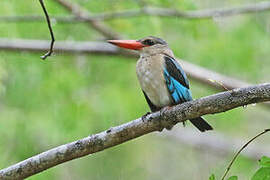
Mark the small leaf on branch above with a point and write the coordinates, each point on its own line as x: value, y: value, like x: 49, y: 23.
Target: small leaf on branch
x: 233, y: 178
x: 212, y: 177
x: 265, y: 161
x: 262, y: 174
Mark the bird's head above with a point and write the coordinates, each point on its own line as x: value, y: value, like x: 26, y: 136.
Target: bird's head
x: 147, y: 45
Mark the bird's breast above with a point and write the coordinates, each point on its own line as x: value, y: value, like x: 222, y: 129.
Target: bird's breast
x: 150, y: 75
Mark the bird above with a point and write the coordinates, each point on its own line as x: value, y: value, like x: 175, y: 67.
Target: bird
x: 162, y: 79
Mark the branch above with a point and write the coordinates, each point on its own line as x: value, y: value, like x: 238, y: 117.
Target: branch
x: 80, y: 13
x: 60, y: 46
x: 50, y: 29
x: 157, y: 121
x: 145, y: 11
x: 37, y: 18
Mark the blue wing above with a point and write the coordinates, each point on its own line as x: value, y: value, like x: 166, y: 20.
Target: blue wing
x: 178, y: 87
x: 176, y: 81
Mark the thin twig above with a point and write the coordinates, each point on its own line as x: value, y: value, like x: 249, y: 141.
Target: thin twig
x: 157, y: 121
x: 242, y: 148
x: 50, y: 29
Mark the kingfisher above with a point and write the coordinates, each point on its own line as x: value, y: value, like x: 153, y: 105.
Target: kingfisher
x: 163, y: 81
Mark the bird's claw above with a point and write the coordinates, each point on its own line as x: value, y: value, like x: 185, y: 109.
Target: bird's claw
x: 162, y: 111
x: 144, y: 116
x: 184, y: 123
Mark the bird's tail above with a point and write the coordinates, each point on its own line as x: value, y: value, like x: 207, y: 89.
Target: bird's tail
x: 201, y: 124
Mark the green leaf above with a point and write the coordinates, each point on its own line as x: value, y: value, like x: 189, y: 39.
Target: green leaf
x: 233, y: 178
x: 212, y: 177
x: 265, y: 161
x: 262, y: 174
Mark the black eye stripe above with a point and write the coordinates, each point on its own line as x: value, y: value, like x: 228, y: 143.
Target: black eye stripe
x: 148, y: 42
x: 151, y: 40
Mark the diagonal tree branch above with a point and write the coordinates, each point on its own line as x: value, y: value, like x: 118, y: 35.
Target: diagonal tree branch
x: 157, y: 121
x: 80, y: 13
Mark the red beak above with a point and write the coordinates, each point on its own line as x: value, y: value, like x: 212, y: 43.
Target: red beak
x: 128, y: 44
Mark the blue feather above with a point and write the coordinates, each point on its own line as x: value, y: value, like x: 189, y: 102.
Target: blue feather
x: 178, y: 92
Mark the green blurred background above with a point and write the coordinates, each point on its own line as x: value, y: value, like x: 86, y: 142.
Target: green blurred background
x: 47, y: 103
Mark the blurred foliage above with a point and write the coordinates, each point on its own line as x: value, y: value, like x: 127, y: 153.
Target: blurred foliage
x: 233, y: 178
x: 212, y: 177
x: 264, y: 172
x: 67, y: 97
x: 261, y: 174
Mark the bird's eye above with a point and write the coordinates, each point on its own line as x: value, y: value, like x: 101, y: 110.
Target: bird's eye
x: 149, y: 42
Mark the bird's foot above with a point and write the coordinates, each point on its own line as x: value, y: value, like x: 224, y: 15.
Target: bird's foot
x: 144, y: 116
x: 184, y: 123
x: 162, y: 111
